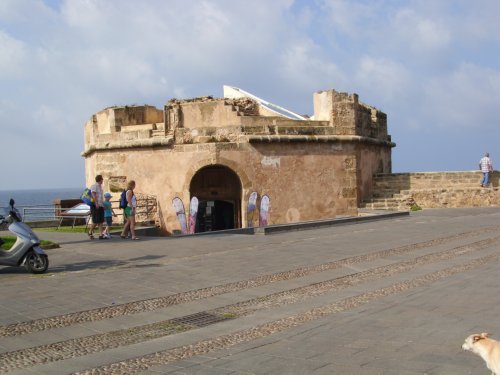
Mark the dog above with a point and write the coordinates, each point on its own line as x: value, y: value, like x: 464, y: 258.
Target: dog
x: 487, y: 348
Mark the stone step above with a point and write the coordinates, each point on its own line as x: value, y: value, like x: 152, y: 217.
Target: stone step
x: 378, y: 206
x: 388, y: 191
x: 157, y: 133
x: 405, y: 185
x: 384, y: 194
x: 387, y: 183
x: 384, y: 202
x: 374, y: 206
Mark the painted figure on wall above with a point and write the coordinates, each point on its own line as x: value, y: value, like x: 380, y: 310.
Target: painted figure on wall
x: 252, y: 201
x: 264, y: 211
x: 181, y: 213
x: 193, y: 211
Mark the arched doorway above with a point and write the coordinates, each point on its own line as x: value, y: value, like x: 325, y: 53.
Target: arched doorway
x: 218, y: 190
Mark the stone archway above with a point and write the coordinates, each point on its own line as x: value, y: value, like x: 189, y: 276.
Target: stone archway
x: 218, y: 189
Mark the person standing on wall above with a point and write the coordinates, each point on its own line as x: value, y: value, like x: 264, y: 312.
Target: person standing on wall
x: 97, y: 209
x: 130, y: 212
x: 486, y: 166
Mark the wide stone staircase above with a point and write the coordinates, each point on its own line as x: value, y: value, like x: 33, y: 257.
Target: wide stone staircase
x: 399, y: 191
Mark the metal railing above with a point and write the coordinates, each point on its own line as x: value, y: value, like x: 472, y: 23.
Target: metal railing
x: 50, y: 215
x: 38, y: 213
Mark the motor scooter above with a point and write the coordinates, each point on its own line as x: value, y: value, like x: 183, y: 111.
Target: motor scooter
x: 26, y: 251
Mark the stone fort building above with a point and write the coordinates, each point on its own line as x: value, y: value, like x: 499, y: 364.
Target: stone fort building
x: 223, y: 149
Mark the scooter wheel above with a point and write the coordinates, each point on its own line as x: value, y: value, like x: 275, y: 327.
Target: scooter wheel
x: 36, y: 263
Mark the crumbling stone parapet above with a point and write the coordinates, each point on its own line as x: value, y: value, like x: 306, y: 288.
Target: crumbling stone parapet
x: 134, y: 143
x: 348, y: 116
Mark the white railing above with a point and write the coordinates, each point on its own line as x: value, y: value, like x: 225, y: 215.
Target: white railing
x: 51, y: 215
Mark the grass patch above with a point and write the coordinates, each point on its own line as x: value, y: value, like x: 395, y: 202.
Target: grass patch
x: 7, y: 242
x: 46, y: 244
x: 10, y: 240
x: 75, y: 229
x: 415, y: 207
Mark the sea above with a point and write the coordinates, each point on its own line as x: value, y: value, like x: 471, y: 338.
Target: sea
x: 37, y: 197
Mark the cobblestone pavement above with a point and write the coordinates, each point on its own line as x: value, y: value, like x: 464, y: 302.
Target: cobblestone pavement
x: 385, y: 297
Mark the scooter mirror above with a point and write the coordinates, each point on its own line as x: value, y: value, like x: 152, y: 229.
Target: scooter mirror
x: 11, y: 202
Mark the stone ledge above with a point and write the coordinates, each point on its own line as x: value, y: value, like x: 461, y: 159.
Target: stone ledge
x: 148, y: 142
x: 317, y: 138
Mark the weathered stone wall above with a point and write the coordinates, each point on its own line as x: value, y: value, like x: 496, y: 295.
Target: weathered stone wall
x: 310, y: 169
x: 137, y: 115
x: 432, y: 180
x: 115, y: 126
x: 371, y: 160
x: 115, y: 119
x: 435, y: 190
x: 304, y: 181
x: 348, y: 116
x: 210, y: 114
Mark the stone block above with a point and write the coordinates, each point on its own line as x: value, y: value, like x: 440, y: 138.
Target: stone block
x: 117, y: 183
x: 349, y: 192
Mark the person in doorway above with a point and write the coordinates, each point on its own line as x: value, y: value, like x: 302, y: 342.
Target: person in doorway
x: 130, y: 212
x: 108, y: 214
x: 97, y: 208
x: 486, y: 166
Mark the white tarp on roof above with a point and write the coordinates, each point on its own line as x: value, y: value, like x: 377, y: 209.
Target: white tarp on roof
x: 232, y: 92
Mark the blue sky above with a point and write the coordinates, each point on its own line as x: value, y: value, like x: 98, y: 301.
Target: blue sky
x: 432, y: 65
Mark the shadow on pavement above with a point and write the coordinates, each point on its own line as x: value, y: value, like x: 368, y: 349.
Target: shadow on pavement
x: 148, y: 257
x: 79, y: 266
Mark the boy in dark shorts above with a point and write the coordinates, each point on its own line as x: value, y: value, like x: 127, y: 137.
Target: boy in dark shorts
x: 108, y: 214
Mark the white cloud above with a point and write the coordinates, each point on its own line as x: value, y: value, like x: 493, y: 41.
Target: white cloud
x: 12, y: 57
x: 306, y: 68
x: 348, y: 17
x: 383, y: 78
x: 479, y: 22
x: 422, y: 62
x: 89, y: 15
x: 117, y: 43
x: 422, y: 32
x: 14, y: 11
x: 51, y: 121
x: 465, y: 98
x: 7, y: 107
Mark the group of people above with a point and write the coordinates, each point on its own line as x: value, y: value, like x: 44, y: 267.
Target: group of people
x: 102, y: 211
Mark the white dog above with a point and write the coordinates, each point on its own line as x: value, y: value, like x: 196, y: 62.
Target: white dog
x: 487, y: 348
